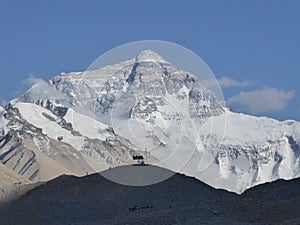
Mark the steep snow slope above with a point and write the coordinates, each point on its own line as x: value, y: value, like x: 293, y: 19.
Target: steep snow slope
x: 42, y: 118
x: 29, y: 152
x: 87, y: 126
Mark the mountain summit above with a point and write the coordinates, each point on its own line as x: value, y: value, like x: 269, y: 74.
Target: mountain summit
x: 150, y: 56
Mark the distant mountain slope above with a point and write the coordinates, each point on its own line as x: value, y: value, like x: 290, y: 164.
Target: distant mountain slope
x: 11, y: 184
x: 40, y: 145
x: 8, y: 177
x: 93, y: 200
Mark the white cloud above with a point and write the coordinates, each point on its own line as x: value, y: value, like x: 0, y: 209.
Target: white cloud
x: 31, y: 80
x: 258, y: 101
x: 41, y: 89
x: 229, y: 82
x: 226, y: 82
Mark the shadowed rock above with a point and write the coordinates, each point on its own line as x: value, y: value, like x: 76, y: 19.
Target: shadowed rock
x: 95, y: 200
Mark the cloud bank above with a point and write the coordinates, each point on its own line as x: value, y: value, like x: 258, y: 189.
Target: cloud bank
x: 226, y: 82
x: 229, y: 82
x: 258, y: 101
x: 41, y: 89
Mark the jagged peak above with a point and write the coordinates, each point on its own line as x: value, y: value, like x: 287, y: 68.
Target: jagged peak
x: 150, y: 56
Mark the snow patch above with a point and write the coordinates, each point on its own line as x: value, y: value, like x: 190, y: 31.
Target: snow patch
x: 33, y: 114
x: 87, y: 126
x: 3, y: 123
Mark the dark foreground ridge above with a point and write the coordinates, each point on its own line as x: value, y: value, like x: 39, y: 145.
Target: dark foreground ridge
x: 94, y: 200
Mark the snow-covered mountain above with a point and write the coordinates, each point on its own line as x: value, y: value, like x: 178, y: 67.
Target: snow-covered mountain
x: 144, y: 106
x: 40, y: 145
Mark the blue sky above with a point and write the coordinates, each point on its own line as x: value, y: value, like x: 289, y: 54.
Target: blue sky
x: 251, y: 46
